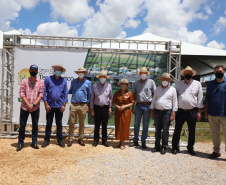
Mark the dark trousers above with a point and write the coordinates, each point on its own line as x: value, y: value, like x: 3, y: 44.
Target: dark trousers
x: 181, y: 117
x: 49, y: 120
x: 162, y: 122
x: 100, y: 117
x: 23, y: 122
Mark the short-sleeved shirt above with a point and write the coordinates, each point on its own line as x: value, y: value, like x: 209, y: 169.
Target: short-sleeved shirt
x: 81, y: 91
x: 144, y: 90
x: 101, y: 95
x: 31, y: 90
x: 216, y: 98
x: 55, y: 92
x: 165, y: 98
x: 190, y: 95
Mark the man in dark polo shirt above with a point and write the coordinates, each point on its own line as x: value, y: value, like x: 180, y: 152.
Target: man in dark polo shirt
x: 215, y: 108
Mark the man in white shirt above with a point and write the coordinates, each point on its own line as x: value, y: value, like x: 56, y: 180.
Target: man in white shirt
x: 163, y: 108
x: 190, y: 104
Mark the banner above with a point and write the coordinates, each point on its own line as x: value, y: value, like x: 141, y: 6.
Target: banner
x: 44, y: 58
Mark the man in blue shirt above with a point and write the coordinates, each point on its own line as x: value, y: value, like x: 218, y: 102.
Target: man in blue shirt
x: 55, y: 98
x: 215, y: 108
x: 81, y: 92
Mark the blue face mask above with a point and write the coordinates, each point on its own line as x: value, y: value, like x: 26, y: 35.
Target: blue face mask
x: 58, y: 73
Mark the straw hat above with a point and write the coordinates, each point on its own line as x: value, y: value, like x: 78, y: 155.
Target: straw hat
x: 143, y: 69
x: 103, y: 73
x: 124, y: 81
x: 188, y: 68
x: 59, y: 65
x: 165, y: 75
x: 81, y: 69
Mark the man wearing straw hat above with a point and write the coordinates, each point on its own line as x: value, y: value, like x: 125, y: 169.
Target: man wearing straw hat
x: 81, y: 91
x: 190, y: 104
x: 143, y: 91
x: 163, y: 108
x: 101, y: 103
x: 55, y: 98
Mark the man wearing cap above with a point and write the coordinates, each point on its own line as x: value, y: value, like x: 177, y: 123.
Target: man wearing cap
x: 215, y: 109
x: 143, y: 91
x: 100, y: 104
x: 163, y: 108
x: 55, y: 99
x: 31, y: 93
x: 190, y: 104
x: 81, y: 92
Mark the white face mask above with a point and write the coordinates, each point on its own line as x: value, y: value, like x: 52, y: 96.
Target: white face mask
x: 102, y: 80
x: 165, y: 83
x: 143, y: 76
x: 80, y: 75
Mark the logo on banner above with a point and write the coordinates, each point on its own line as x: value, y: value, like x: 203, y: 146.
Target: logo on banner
x: 24, y: 73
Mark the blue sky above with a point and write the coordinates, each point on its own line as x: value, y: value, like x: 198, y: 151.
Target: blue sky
x: 200, y: 22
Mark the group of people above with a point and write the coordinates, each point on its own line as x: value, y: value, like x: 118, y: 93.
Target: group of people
x: 164, y: 104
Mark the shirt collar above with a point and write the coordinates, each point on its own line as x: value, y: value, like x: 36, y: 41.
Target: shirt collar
x: 215, y: 81
x: 36, y: 79
x: 189, y: 82
x: 82, y: 80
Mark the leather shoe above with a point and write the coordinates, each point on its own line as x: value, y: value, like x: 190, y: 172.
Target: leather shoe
x: 61, y: 144
x: 192, y: 152
x: 144, y: 146
x: 106, y: 144
x: 214, y: 155
x: 95, y: 143
x: 69, y: 143
x: 45, y: 144
x: 156, y: 150
x: 163, y: 151
x: 175, y: 151
x: 34, y: 145
x: 133, y: 144
x: 19, y: 147
x: 81, y: 142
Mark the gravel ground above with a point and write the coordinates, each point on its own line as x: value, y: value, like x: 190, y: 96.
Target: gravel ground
x: 102, y: 165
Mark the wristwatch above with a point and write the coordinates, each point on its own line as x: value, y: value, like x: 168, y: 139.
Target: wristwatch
x: 33, y: 105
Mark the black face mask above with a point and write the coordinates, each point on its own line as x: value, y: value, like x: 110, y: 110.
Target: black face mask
x: 187, y: 76
x: 219, y: 75
x: 33, y: 74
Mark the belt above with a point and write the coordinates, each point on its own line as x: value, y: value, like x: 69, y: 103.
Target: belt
x: 80, y: 103
x: 144, y: 103
x: 101, y: 106
x: 187, y: 110
x: 162, y: 110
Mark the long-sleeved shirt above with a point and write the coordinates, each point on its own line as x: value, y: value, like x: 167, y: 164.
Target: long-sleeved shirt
x: 165, y: 98
x: 55, y: 92
x: 101, y: 95
x: 144, y: 90
x: 216, y: 98
x: 31, y: 90
x: 190, y: 95
x: 81, y: 91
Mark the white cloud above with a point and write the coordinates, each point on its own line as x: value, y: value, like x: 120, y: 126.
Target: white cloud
x: 170, y: 19
x: 112, y: 15
x: 131, y: 23
x: 56, y: 29
x: 29, y: 3
x: 220, y: 25
x: 72, y: 11
x: 122, y: 35
x: 215, y: 44
x: 208, y: 10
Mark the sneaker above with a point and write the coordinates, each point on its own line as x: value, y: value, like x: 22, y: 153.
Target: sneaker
x: 214, y: 155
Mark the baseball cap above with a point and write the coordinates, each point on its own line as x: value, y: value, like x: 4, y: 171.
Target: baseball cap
x: 33, y: 67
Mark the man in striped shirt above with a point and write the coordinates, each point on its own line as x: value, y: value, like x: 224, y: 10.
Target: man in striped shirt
x: 31, y: 93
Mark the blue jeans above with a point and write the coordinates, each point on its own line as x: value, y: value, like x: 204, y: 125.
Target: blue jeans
x: 49, y: 119
x: 162, y: 122
x: 181, y: 117
x: 141, y: 110
x: 23, y: 122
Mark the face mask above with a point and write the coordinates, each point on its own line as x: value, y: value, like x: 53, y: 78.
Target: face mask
x: 80, y: 75
x: 143, y: 76
x: 58, y: 73
x: 165, y: 83
x: 33, y: 74
x: 102, y: 80
x: 219, y: 75
x: 187, y: 76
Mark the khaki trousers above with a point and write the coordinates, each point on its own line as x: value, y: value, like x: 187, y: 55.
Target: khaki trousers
x: 215, y: 122
x: 80, y: 111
